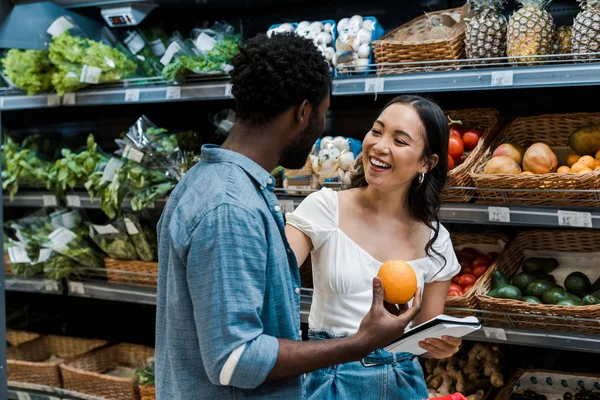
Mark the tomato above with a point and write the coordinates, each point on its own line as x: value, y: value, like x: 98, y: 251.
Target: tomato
x: 453, y: 287
x: 450, y: 162
x: 468, y: 253
x: 467, y: 288
x: 456, y: 147
x: 455, y: 127
x: 455, y: 294
x: 465, y: 267
x: 467, y: 279
x: 481, y: 260
x: 478, y: 271
x: 455, y: 279
x: 471, y: 138
x: 493, y: 256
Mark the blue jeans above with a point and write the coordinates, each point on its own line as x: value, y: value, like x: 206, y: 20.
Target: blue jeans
x: 381, y: 375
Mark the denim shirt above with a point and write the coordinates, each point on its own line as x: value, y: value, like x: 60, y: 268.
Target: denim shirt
x: 227, y: 277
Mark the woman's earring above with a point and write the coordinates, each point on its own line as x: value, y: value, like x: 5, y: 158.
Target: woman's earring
x: 421, y: 177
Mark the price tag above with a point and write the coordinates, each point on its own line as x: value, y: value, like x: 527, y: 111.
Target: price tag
x: 76, y: 287
x: 90, y: 74
x: 111, y: 168
x: 499, y: 214
x: 374, y: 85
x: 60, y: 239
x: 204, y: 42
x: 18, y: 255
x: 502, y: 78
x: 133, y: 154
x: 170, y: 53
x: 23, y: 396
x: 134, y: 42
x: 51, y: 286
x: 158, y: 47
x: 494, y: 333
x: 574, y: 219
x: 131, y: 227
x: 68, y: 99
x: 228, y: 88
x: 132, y: 95
x: 45, y: 255
x: 106, y: 229
x: 59, y: 26
x: 287, y: 206
x: 173, y: 92
x: 73, y: 201
x: 49, y: 200
x: 53, y: 100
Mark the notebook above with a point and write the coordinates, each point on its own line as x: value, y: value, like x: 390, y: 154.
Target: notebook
x: 442, y: 325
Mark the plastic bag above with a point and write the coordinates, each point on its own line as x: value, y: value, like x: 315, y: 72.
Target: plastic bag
x: 22, y: 165
x: 332, y: 159
x: 143, y: 238
x: 113, y: 239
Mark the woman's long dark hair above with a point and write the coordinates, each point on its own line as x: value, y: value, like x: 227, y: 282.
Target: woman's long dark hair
x: 423, y: 198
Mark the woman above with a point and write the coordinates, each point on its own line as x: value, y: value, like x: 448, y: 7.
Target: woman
x: 389, y: 214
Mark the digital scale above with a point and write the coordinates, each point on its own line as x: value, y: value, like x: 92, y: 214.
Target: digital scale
x: 126, y: 14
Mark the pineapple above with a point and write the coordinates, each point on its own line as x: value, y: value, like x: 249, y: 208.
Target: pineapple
x: 586, y: 28
x: 530, y: 31
x: 486, y: 29
x: 562, y: 40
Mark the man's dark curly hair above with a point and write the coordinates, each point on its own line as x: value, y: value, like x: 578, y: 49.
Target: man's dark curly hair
x: 272, y: 74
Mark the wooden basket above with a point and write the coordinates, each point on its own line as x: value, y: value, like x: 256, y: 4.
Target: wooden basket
x: 510, y: 262
x: 554, y: 130
x: 488, y: 121
x: 15, y: 338
x: 508, y: 387
x: 131, y: 272
x: 469, y: 300
x: 147, y: 392
x: 29, y: 362
x: 389, y: 50
x: 86, y: 374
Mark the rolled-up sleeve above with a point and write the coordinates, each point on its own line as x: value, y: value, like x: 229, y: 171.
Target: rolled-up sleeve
x: 226, y: 271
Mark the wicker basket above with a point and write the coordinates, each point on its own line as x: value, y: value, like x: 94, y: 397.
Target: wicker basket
x: 147, y: 392
x: 510, y: 262
x: 461, y: 239
x: 508, y: 387
x: 86, y: 374
x: 553, y: 130
x: 28, y: 362
x: 15, y: 338
x: 131, y: 272
x: 389, y: 50
x: 488, y: 121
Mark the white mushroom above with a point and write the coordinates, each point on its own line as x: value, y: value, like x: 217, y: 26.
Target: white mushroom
x: 317, y: 26
x: 364, y: 36
x: 327, y: 27
x: 364, y: 51
x: 368, y: 25
x: 286, y: 27
x: 304, y: 25
x: 329, y: 54
x: 343, y: 24
x: 326, y: 142
x: 357, y: 19
x: 341, y: 143
x: 324, y: 38
x: 362, y: 64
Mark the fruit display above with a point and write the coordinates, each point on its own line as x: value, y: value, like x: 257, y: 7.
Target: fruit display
x: 586, y: 140
x: 461, y: 142
x: 550, y: 385
x: 474, y: 265
x: 439, y: 27
x: 563, y: 37
x: 471, y: 373
x: 332, y: 159
x: 399, y: 281
x: 530, y: 31
x: 485, y: 35
x: 353, y: 46
x: 510, y: 159
x: 586, y: 28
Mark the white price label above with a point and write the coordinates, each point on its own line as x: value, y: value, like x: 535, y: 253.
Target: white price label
x: 59, y: 25
x: 173, y: 92
x: 374, y: 85
x: 76, y: 287
x: 287, y: 206
x: 499, y: 214
x: 68, y: 99
x: 158, y: 47
x: 170, y: 53
x: 105, y: 229
x: 131, y: 227
x: 73, y: 201
x: 60, y: 238
x: 135, y: 43
x: 45, y: 255
x: 18, y: 255
x: 49, y: 200
x: 132, y: 95
x: 23, y: 396
x: 228, y: 88
x: 90, y: 74
x: 133, y: 154
x: 111, y: 168
x: 502, y: 78
x: 71, y: 219
x: 51, y: 286
x: 494, y: 333
x: 204, y: 42
x: 53, y: 100
x: 574, y: 219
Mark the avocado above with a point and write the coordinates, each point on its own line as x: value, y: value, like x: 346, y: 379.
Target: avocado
x: 532, y: 300
x: 590, y: 300
x: 522, y: 280
x: 574, y: 298
x: 596, y: 294
x: 499, y: 280
x: 595, y: 286
x: 535, y: 265
x: 568, y: 302
x: 578, y: 283
x: 506, y: 292
x: 586, y: 140
x: 554, y: 295
x: 546, y: 277
x: 537, y: 288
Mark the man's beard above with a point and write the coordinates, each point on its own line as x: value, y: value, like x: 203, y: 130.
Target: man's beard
x: 295, y: 154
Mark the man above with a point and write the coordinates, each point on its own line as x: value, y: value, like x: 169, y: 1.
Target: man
x: 228, y: 313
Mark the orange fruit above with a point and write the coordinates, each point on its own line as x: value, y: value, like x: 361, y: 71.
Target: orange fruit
x: 526, y: 173
x: 586, y: 170
x: 597, y: 163
x: 578, y: 167
x: 597, y: 155
x: 572, y: 159
x: 588, y: 161
x: 564, y: 170
x: 399, y: 281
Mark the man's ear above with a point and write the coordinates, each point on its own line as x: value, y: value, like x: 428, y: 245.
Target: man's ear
x: 303, y: 113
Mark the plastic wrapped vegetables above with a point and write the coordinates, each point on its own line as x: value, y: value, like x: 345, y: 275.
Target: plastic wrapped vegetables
x: 80, y: 61
x: 143, y: 238
x: 114, y: 240
x: 29, y: 70
x: 21, y: 165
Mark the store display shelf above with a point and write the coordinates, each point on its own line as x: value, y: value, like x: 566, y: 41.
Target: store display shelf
x: 26, y: 391
x: 112, y: 291
x: 74, y: 200
x: 33, y: 285
x: 472, y: 77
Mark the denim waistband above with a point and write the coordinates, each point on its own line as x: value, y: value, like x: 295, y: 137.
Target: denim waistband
x: 377, y: 357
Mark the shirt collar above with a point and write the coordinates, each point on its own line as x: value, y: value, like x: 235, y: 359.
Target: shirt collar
x: 213, y: 154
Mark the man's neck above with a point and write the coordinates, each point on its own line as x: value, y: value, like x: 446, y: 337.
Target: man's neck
x: 261, y: 145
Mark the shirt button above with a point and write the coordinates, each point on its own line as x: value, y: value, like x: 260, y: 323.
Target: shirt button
x: 262, y: 188
x: 297, y: 290
x: 289, y: 250
x: 269, y: 181
x: 277, y: 208
x: 300, y: 333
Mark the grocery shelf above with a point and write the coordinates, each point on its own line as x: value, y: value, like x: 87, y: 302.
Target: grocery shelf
x: 468, y: 78
x: 113, y: 292
x: 72, y: 199
x: 26, y: 391
x: 33, y: 285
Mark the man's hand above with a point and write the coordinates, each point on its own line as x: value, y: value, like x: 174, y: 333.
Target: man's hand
x: 440, y: 349
x: 380, y: 327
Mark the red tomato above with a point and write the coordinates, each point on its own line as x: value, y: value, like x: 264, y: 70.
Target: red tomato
x: 493, y: 256
x: 455, y: 127
x: 456, y: 147
x: 478, y: 271
x: 481, y: 260
x: 453, y: 287
x: 465, y: 267
x: 455, y: 294
x: 466, y: 290
x: 471, y: 138
x: 455, y: 279
x: 466, y: 280
x: 450, y: 162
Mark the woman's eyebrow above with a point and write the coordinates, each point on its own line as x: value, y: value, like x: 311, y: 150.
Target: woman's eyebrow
x: 403, y: 133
